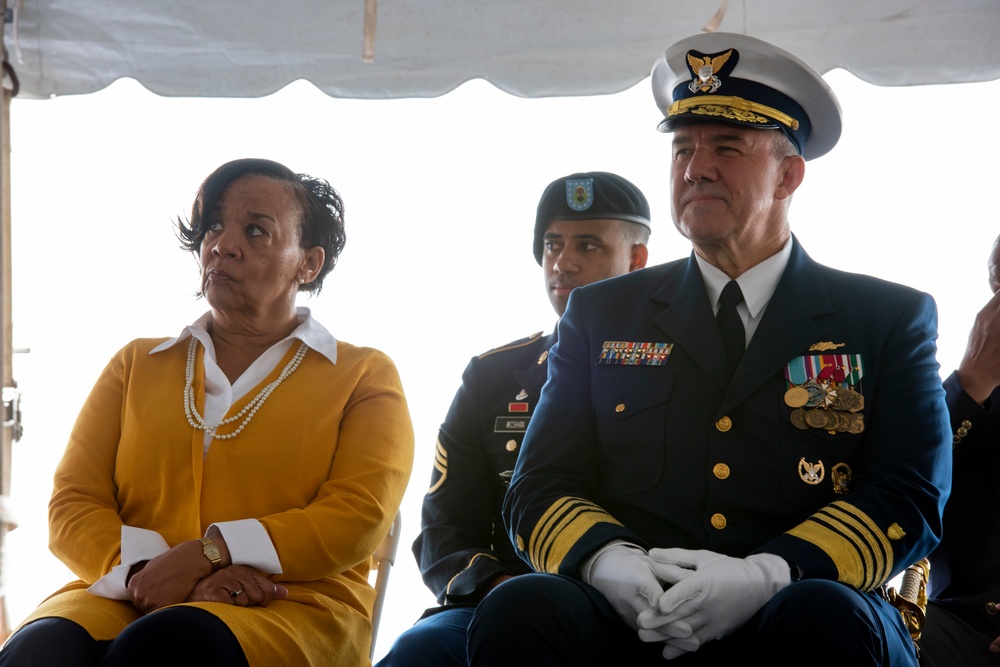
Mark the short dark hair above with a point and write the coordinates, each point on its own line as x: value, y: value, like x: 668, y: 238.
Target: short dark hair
x: 322, y: 210
x: 634, y: 232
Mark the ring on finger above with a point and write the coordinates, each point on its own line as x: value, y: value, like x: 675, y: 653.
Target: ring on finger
x: 236, y: 594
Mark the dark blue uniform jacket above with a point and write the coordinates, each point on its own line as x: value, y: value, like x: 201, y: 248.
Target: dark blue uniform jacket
x: 965, y: 567
x: 672, y: 453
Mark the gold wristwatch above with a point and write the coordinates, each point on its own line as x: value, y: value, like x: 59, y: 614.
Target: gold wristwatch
x: 211, y: 552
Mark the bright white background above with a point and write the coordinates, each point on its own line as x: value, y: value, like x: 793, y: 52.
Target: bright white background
x: 440, y: 197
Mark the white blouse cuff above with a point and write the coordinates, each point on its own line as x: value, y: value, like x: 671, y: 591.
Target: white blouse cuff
x: 138, y: 544
x: 249, y: 544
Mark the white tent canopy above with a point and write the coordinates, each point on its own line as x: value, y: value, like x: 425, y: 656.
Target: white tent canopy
x: 529, y: 48
x: 426, y: 48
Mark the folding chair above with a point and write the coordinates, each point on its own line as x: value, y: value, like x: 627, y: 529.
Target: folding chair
x: 382, y: 560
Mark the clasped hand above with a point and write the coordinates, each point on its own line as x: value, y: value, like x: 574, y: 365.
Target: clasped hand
x: 710, y: 596
x: 178, y: 576
x: 624, y: 575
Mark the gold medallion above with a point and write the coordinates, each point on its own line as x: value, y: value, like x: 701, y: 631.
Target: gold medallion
x: 799, y: 419
x: 848, y: 399
x: 816, y: 418
x: 857, y: 424
x: 843, y: 422
x: 796, y: 397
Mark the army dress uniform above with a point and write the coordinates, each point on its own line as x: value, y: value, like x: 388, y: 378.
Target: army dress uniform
x: 463, y: 550
x: 462, y: 546
x: 964, y: 584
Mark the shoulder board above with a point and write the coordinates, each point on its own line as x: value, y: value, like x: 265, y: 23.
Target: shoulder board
x: 517, y: 344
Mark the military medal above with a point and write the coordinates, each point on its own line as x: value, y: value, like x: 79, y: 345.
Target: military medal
x: 849, y: 400
x: 796, y: 397
x: 857, y: 424
x: 816, y: 418
x: 821, y: 391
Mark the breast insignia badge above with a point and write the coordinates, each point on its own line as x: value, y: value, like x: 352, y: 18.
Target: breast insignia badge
x: 840, y: 475
x: 811, y: 473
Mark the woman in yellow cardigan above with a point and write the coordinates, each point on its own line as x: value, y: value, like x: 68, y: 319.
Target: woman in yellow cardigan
x: 222, y: 491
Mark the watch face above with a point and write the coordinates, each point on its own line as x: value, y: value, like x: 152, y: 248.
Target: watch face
x: 211, y: 551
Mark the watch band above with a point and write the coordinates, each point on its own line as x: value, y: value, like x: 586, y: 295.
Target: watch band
x: 211, y: 552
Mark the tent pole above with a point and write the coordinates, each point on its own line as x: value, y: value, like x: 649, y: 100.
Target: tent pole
x: 10, y: 410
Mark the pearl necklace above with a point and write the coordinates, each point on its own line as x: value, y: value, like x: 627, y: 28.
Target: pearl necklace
x: 198, y: 422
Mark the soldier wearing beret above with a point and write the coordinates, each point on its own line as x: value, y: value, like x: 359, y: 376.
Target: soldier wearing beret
x: 734, y: 452
x: 588, y: 227
x: 962, y: 625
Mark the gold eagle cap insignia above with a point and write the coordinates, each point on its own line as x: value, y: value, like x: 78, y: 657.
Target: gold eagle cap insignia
x: 825, y: 346
x: 715, y: 63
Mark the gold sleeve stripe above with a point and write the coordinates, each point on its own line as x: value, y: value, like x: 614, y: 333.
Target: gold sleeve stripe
x: 472, y: 562
x: 871, y: 539
x: 441, y: 465
x: 861, y: 573
x: 859, y: 550
x: 562, y: 525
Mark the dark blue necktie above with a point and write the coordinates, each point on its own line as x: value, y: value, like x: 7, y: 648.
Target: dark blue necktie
x: 734, y: 337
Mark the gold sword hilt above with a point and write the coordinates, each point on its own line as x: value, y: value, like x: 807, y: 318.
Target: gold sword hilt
x: 911, y: 599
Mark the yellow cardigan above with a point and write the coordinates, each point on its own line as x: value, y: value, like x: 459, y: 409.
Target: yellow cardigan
x: 323, y: 465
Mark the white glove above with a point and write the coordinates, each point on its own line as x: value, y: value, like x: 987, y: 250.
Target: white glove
x: 624, y: 575
x: 712, y: 596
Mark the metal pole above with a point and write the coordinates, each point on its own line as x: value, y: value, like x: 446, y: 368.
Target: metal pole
x: 11, y: 422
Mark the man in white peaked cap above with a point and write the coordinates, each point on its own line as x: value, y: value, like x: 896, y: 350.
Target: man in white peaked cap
x: 734, y: 452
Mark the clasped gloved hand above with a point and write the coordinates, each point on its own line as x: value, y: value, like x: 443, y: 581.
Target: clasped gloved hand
x: 711, y: 596
x: 624, y: 575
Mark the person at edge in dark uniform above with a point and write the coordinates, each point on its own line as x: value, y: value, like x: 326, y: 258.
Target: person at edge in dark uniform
x: 589, y: 226
x: 962, y: 625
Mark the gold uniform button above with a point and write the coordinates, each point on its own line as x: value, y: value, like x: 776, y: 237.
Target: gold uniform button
x: 724, y: 424
x: 718, y: 521
x: 511, y: 445
x: 620, y: 408
x: 721, y: 470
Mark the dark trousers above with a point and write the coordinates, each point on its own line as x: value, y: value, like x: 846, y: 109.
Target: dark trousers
x: 436, y: 640
x: 169, y: 637
x: 549, y: 620
x: 948, y: 641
